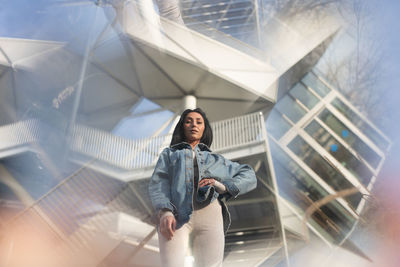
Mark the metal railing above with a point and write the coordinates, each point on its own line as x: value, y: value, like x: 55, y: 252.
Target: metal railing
x: 18, y: 134
x: 141, y: 153
x: 116, y: 150
x: 238, y: 131
x: 133, y: 154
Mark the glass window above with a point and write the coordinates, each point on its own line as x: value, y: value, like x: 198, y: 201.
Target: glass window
x: 288, y: 106
x: 277, y: 126
x: 339, y: 152
x: 316, y: 84
x: 350, y: 138
x: 323, y: 169
x: 361, y: 124
x: 302, y: 191
x: 304, y: 95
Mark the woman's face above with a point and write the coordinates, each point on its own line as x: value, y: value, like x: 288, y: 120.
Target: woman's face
x: 193, y: 127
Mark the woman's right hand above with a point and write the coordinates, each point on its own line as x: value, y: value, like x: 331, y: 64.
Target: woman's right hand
x: 167, y: 226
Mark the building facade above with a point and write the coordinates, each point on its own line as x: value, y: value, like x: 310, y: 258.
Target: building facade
x: 322, y: 146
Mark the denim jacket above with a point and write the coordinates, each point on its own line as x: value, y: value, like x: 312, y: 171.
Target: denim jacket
x: 171, y: 185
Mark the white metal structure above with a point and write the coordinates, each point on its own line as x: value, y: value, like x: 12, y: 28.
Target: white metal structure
x: 83, y: 88
x: 244, y: 131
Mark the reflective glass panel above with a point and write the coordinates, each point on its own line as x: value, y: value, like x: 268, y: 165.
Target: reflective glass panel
x: 339, y: 152
x: 350, y: 138
x: 316, y: 84
x: 288, y: 106
x: 277, y: 126
x: 302, y: 191
x: 361, y: 124
x: 304, y: 95
x: 323, y: 169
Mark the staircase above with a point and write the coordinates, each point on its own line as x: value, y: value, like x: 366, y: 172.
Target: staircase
x: 100, y: 214
x: 17, y: 137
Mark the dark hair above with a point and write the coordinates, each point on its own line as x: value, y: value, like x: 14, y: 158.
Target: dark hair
x: 179, y: 136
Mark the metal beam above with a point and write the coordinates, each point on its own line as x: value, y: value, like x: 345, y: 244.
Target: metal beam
x: 82, y: 76
x: 152, y: 61
x: 126, y: 45
x: 119, y: 81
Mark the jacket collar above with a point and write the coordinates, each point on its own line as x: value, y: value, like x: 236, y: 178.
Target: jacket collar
x: 201, y: 146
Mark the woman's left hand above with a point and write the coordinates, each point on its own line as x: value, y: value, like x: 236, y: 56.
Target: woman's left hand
x: 206, y: 181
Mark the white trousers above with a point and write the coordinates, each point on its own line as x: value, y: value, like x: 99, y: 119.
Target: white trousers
x: 206, y: 230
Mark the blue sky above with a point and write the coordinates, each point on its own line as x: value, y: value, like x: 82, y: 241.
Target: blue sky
x: 387, y: 30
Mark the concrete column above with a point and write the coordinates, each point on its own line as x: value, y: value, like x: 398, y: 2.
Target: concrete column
x: 189, y: 101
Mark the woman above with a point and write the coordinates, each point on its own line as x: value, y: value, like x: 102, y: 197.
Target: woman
x: 188, y: 189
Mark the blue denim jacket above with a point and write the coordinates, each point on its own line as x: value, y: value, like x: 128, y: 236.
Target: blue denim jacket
x: 171, y: 185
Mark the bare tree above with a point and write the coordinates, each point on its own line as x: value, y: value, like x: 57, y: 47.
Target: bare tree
x: 293, y: 8
x: 359, y: 73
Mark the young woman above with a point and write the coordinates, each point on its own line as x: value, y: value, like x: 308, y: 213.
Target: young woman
x: 188, y: 189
